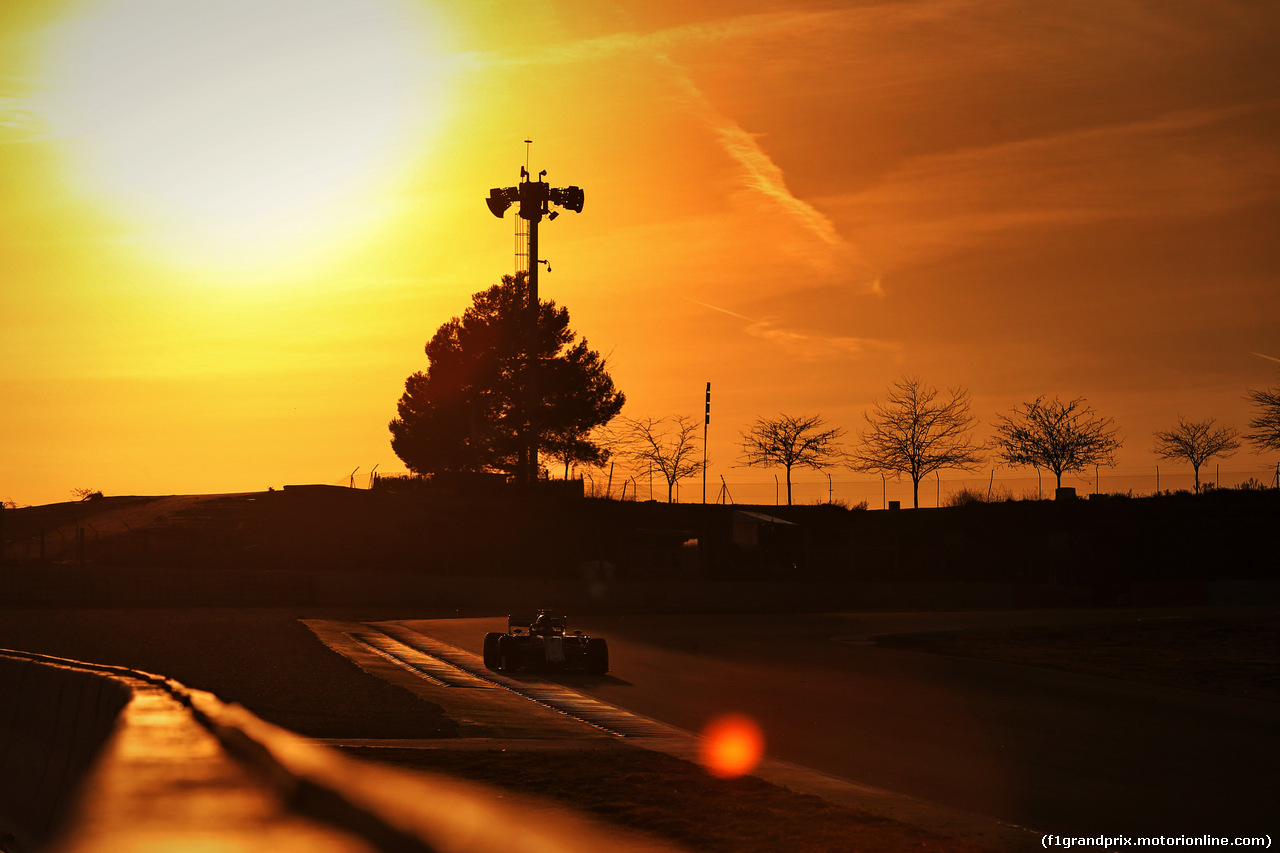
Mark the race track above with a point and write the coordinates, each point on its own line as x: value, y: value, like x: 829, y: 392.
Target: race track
x: 1052, y: 751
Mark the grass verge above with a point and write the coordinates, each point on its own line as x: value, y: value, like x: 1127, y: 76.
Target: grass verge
x: 664, y: 796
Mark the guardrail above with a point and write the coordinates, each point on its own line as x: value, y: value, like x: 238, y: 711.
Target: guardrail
x: 98, y: 758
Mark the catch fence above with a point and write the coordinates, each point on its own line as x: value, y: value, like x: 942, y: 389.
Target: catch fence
x: 942, y: 489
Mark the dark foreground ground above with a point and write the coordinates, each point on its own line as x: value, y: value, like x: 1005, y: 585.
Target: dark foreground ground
x: 271, y: 663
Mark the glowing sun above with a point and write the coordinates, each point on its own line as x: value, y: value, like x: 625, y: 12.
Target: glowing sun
x: 244, y: 130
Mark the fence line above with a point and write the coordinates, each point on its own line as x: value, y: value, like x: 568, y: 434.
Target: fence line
x: 808, y: 487
x: 852, y: 489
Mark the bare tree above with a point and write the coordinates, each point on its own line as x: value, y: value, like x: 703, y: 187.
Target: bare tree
x: 1196, y: 442
x: 670, y: 445
x: 790, y: 441
x: 916, y: 431
x: 1055, y: 435
x: 1266, y: 424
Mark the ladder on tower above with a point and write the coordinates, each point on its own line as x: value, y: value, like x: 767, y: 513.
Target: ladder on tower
x: 522, y: 245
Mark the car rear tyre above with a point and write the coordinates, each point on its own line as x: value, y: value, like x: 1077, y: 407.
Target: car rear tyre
x: 508, y: 654
x: 492, y: 660
x: 597, y: 662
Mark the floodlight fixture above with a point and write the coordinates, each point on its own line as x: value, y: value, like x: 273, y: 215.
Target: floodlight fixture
x: 500, y: 199
x: 535, y: 198
x: 570, y: 198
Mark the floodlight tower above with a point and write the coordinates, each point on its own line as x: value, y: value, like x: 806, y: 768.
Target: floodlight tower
x: 535, y: 199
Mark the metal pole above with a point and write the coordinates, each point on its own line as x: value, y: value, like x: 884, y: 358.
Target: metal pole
x: 533, y: 267
x: 531, y: 444
x: 533, y: 198
x: 706, y: 421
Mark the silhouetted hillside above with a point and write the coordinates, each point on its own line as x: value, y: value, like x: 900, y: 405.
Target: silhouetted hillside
x: 1103, y: 544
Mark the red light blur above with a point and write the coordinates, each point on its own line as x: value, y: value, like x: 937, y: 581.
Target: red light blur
x: 732, y: 746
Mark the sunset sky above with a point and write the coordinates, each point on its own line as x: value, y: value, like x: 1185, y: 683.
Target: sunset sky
x: 227, y: 227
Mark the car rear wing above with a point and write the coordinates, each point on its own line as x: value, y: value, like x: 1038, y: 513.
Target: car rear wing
x: 524, y: 624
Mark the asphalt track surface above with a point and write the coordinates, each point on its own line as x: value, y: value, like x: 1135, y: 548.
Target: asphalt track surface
x: 1052, y: 751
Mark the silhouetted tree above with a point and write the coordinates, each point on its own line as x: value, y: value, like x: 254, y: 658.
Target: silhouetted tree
x: 669, y: 445
x: 570, y: 448
x: 473, y: 411
x: 916, y: 431
x: 789, y: 441
x: 1055, y: 435
x: 1196, y: 442
x: 1265, y: 425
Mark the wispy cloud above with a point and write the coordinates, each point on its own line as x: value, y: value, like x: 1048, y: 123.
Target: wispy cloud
x: 20, y: 119
x: 794, y: 25
x: 808, y: 235
x: 831, y: 252
x: 759, y: 171
x: 1189, y: 162
x: 664, y: 42
x: 1267, y: 357
x: 807, y: 346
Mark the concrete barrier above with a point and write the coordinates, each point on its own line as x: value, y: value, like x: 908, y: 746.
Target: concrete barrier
x: 53, y: 722
x: 98, y: 759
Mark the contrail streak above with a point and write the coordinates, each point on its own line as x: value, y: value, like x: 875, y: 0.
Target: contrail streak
x: 721, y: 310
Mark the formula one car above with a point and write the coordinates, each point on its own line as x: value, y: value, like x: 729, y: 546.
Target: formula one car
x: 544, y: 642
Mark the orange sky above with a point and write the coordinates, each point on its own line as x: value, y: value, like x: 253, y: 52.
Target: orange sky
x: 226, y: 234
